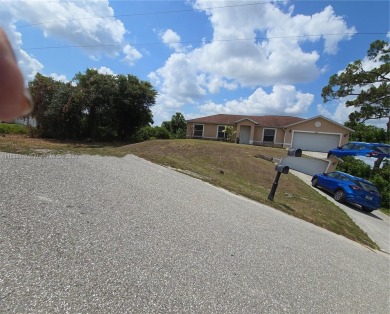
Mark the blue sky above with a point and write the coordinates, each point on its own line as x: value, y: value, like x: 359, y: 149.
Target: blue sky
x: 203, y: 57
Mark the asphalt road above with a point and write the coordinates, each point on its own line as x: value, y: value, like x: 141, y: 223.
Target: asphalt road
x: 108, y: 235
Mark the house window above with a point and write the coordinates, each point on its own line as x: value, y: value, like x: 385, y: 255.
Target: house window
x: 221, y: 134
x: 269, y: 135
x: 198, y: 130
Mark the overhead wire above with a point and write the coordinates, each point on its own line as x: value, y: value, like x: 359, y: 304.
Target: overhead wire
x: 179, y: 42
x: 146, y: 13
x: 199, y: 41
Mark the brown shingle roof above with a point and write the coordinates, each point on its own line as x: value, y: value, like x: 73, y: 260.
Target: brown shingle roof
x: 229, y: 119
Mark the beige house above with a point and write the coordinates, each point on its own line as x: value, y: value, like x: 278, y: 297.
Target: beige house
x: 316, y: 134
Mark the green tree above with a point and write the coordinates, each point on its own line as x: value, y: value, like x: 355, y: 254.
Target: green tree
x: 178, y: 125
x: 96, y: 92
x: 355, y: 167
x: 42, y: 90
x: 228, y: 131
x: 167, y: 125
x: 132, y: 105
x: 366, y: 133
x: 94, y: 105
x: 369, y: 88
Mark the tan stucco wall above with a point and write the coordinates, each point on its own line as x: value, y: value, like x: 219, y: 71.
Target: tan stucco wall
x: 259, y: 133
x: 310, y: 126
x: 283, y: 137
x: 210, y: 131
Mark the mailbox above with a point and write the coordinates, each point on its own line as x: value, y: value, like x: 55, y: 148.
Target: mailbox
x: 282, y: 169
x: 294, y: 152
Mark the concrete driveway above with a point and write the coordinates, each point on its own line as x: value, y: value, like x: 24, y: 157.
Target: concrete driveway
x: 375, y: 224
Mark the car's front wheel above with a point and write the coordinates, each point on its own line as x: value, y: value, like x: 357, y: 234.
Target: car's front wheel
x: 314, y: 182
x: 367, y: 210
x: 339, y: 196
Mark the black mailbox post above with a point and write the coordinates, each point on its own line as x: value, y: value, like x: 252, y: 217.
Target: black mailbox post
x: 279, y: 169
x: 292, y: 152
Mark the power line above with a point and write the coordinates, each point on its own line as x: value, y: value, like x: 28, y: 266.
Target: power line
x: 146, y: 13
x: 197, y: 41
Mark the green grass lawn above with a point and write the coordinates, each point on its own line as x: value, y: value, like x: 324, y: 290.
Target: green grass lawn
x: 230, y: 166
x: 11, y: 128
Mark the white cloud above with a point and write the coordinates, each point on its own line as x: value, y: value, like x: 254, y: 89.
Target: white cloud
x: 74, y: 22
x: 28, y: 65
x: 59, y: 77
x: 283, y: 100
x: 340, y: 112
x: 105, y: 70
x: 172, y: 39
x: 131, y: 55
x: 237, y: 57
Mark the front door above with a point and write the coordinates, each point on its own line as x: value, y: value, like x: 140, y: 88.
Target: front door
x: 245, y: 133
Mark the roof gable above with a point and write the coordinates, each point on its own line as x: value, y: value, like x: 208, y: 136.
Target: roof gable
x: 322, y: 117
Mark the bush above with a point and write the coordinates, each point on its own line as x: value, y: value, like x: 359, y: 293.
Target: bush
x: 145, y: 133
x: 180, y: 133
x: 10, y: 128
x: 161, y: 132
x: 382, y: 182
x: 355, y: 167
x: 150, y: 133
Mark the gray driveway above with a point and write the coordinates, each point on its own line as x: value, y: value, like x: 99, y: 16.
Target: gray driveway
x: 107, y: 235
x: 375, y: 224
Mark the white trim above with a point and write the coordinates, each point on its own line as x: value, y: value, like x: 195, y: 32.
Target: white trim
x: 266, y: 128
x: 218, y: 125
x: 193, y: 131
x: 275, y: 143
x: 253, y: 121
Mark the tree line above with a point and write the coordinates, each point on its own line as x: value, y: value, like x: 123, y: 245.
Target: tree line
x: 93, y: 105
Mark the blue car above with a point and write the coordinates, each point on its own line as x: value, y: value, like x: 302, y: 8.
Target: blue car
x: 347, y: 188
x: 375, y: 150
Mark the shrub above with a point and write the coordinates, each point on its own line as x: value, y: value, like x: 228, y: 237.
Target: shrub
x: 161, y: 132
x: 382, y: 182
x: 355, y: 167
x: 145, y: 133
x: 10, y: 128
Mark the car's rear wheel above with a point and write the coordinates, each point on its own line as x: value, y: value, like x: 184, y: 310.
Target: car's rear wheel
x: 314, y: 182
x: 339, y: 196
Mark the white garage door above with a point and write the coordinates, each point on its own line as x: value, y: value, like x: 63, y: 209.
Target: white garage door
x: 315, y: 142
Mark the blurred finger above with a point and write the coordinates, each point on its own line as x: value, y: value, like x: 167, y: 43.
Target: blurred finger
x: 15, y: 100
